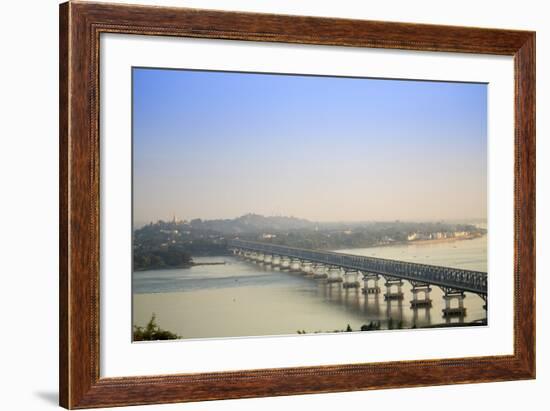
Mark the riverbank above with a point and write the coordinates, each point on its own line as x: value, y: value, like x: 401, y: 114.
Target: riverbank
x: 397, y: 325
x: 445, y: 240
x: 418, y: 242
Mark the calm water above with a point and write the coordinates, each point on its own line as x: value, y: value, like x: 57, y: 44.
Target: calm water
x: 242, y: 298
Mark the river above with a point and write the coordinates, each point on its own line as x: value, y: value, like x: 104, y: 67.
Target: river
x: 243, y: 298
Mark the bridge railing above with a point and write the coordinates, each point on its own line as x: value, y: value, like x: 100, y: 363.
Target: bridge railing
x: 467, y: 280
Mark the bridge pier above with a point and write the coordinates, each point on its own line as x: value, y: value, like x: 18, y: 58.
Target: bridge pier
x: 368, y: 288
x: 334, y: 275
x: 390, y: 294
x: 307, y: 268
x: 455, y: 282
x: 449, y: 297
x: 276, y: 260
x: 351, y: 279
x: 420, y: 288
x: 295, y: 265
x: 319, y: 271
x: 260, y: 258
x: 285, y: 262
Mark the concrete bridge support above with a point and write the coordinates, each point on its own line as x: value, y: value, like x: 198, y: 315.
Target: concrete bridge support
x: 260, y: 258
x: 421, y: 295
x: 276, y: 260
x: 444, y: 277
x: 371, y: 283
x: 319, y: 271
x: 307, y: 268
x: 285, y: 262
x: 268, y: 258
x: 351, y: 279
x: 451, y: 295
x: 392, y: 294
x: 334, y: 275
x: 295, y: 265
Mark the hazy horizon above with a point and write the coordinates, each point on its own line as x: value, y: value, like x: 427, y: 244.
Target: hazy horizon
x: 217, y: 145
x: 183, y: 218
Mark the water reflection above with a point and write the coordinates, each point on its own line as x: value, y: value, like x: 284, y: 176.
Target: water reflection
x: 421, y: 316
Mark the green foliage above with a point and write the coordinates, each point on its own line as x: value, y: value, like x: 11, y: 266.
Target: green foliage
x: 152, y: 332
x: 170, y: 257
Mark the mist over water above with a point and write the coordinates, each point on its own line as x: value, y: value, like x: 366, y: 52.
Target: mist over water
x: 242, y: 298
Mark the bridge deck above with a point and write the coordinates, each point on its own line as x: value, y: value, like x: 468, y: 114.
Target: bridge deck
x: 466, y: 280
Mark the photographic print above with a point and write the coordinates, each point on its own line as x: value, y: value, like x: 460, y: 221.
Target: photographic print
x: 284, y: 204
x: 263, y: 183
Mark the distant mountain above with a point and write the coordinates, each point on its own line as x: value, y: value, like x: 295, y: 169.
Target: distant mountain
x: 252, y: 223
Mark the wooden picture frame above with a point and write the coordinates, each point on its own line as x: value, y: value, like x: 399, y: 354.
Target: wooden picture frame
x: 80, y: 27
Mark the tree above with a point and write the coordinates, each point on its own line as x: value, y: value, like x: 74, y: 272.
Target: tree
x: 152, y: 332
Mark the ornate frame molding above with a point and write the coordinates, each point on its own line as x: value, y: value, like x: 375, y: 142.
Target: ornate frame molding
x: 81, y: 24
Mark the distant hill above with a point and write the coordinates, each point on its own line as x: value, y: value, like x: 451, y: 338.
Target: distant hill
x: 252, y: 223
x: 167, y: 244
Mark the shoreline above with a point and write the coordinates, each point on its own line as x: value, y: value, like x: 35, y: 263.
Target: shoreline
x: 445, y: 240
x: 416, y: 242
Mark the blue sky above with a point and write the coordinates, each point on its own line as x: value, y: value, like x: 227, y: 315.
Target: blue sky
x: 218, y: 145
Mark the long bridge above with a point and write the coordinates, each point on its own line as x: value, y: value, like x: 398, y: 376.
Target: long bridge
x: 348, y: 269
